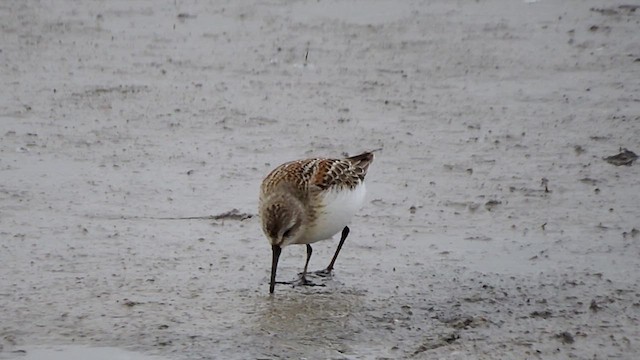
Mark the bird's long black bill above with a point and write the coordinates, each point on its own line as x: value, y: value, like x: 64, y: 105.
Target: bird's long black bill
x: 274, y: 266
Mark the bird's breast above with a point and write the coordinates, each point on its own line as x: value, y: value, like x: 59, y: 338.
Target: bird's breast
x: 333, y: 210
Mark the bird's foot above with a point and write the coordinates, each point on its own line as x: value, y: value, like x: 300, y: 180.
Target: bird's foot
x: 320, y: 273
x: 323, y: 273
x: 302, y: 281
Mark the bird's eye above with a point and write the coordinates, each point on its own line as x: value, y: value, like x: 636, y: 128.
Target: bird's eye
x: 287, y: 233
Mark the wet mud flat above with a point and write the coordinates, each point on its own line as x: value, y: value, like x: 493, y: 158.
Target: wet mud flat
x: 502, y: 213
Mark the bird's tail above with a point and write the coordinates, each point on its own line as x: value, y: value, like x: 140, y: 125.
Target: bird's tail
x: 362, y: 161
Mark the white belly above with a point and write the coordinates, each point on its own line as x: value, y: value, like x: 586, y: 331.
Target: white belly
x: 339, y: 208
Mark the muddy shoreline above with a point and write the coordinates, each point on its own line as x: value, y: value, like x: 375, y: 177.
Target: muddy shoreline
x: 494, y: 228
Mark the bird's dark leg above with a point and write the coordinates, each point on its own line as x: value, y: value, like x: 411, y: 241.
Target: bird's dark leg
x: 345, y: 233
x: 303, y: 278
x: 327, y: 271
x: 303, y: 275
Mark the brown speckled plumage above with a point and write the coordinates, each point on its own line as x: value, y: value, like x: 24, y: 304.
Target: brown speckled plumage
x: 320, y: 173
x: 305, y: 201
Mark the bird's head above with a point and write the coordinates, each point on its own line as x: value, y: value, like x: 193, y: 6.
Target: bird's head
x: 282, y: 217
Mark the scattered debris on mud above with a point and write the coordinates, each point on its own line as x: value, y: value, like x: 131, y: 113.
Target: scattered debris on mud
x: 233, y: 214
x: 625, y: 157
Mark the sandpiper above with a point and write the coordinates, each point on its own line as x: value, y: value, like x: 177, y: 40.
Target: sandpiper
x: 305, y: 201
